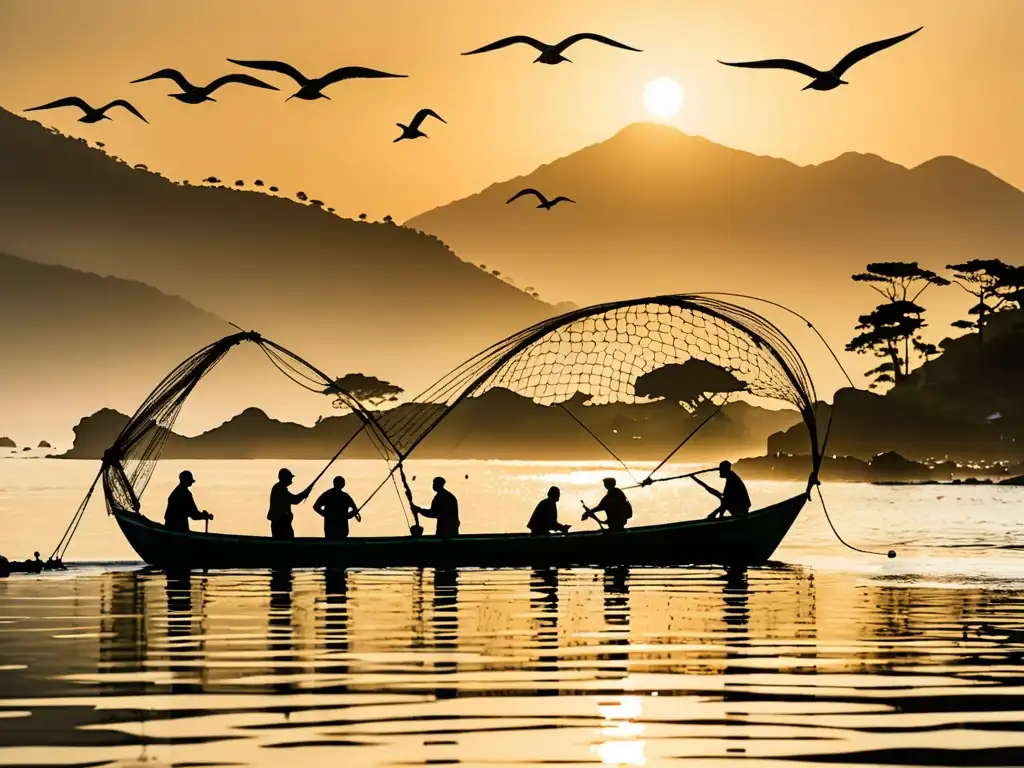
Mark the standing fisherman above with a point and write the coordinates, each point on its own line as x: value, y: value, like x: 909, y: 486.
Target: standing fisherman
x: 281, y: 502
x: 444, y: 508
x: 181, y: 507
x: 337, y: 508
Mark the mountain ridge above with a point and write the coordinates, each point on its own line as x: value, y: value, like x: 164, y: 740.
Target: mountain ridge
x: 660, y: 211
x: 344, y: 292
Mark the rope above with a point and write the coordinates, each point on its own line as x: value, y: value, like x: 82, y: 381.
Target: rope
x: 335, y: 456
x: 65, y: 540
x: 795, y: 314
x: 686, y: 439
x: 599, y: 440
x: 891, y: 553
x: 649, y: 481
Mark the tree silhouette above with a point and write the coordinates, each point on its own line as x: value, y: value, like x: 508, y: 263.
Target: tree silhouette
x: 100, y: 144
x: 317, y: 203
x: 300, y: 195
x: 362, y: 217
x: 273, y: 189
x: 496, y: 272
x: 366, y: 389
x: 388, y: 219
x: 239, y: 183
x: 690, y: 383
x: 212, y: 180
x: 995, y: 285
x: 141, y: 167
x: 258, y: 183
x: 890, y: 331
x: 483, y: 267
x: 330, y: 210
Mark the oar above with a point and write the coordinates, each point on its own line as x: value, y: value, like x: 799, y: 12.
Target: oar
x: 650, y: 481
x: 590, y: 514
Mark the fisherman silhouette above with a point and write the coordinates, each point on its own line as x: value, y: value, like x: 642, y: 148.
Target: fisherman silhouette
x: 281, y: 501
x: 444, y: 508
x: 181, y: 507
x: 734, y: 497
x: 337, y: 508
x: 615, y: 506
x: 544, y: 519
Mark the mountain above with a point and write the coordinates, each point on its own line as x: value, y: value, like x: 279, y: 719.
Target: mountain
x: 659, y: 211
x: 74, y: 342
x: 496, y: 425
x: 347, y: 295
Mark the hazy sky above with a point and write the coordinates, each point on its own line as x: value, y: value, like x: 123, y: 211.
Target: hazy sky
x: 955, y: 88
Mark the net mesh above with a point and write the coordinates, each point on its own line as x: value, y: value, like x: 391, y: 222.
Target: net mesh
x: 611, y: 353
x: 129, y: 463
x: 692, y: 348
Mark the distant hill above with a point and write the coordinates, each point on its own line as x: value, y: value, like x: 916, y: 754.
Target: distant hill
x: 497, y: 425
x: 966, y: 405
x: 347, y: 295
x: 659, y: 211
x: 73, y: 342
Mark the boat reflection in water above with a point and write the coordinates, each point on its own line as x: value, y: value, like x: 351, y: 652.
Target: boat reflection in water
x: 556, y: 666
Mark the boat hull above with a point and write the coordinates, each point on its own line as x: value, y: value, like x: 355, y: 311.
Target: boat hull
x: 747, y: 540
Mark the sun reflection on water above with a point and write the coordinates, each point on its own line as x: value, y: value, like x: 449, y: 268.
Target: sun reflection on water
x: 620, y: 733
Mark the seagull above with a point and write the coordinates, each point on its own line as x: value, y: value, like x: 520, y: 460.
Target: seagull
x: 310, y: 88
x: 825, y: 81
x: 412, y: 130
x: 197, y: 94
x: 91, y: 115
x: 544, y: 202
x: 550, y: 54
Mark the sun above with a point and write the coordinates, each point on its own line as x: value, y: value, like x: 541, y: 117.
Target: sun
x: 663, y: 97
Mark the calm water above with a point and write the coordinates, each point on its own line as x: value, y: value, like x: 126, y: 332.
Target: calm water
x: 826, y: 657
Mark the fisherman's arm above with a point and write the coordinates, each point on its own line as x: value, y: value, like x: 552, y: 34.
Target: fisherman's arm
x: 718, y: 494
x: 193, y: 511
x: 319, y: 505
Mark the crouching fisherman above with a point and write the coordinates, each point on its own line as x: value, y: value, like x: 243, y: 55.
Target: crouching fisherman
x: 181, y: 507
x: 615, y: 506
x: 544, y: 519
x: 734, y: 497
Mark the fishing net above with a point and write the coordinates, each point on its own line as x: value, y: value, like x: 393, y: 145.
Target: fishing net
x: 695, y: 349
x: 692, y: 349
x: 129, y: 463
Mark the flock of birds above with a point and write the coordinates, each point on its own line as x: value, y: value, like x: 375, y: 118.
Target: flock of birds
x: 311, y: 89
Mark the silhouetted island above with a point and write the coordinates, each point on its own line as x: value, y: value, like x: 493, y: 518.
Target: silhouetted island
x: 6, y: 442
x: 497, y: 425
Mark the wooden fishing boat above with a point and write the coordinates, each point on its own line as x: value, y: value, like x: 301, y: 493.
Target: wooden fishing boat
x: 746, y: 540
x: 602, y: 351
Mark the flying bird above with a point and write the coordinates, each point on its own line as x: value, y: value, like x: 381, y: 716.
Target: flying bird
x: 92, y: 115
x: 310, y: 88
x: 544, y: 202
x: 197, y: 94
x: 827, y: 80
x: 550, y: 54
x: 412, y: 130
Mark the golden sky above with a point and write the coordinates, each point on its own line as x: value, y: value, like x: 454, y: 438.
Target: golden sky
x: 955, y: 88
